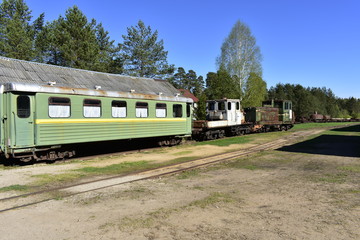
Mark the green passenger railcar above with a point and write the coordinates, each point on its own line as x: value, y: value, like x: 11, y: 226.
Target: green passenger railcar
x: 34, y: 122
x: 45, y: 110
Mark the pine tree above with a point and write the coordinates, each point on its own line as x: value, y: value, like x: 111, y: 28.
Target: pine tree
x: 143, y: 54
x: 188, y: 80
x: 39, y: 40
x: 109, y: 59
x: 76, y: 39
x: 200, y: 110
x: 47, y: 46
x: 221, y: 85
x: 15, y: 30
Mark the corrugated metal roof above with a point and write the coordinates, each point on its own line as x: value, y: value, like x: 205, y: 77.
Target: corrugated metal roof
x: 24, y: 72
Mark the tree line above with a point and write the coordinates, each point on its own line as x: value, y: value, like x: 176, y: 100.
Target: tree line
x: 321, y: 100
x: 74, y: 41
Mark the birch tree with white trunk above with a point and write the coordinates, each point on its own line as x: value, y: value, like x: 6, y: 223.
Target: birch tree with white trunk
x: 240, y: 55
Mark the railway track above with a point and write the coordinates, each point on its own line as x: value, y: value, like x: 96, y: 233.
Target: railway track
x: 33, y: 198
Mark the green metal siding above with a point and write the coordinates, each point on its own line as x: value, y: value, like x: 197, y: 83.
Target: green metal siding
x: 2, y: 121
x: 76, y: 128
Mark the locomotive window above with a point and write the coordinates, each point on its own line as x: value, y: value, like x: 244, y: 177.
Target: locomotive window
x: 229, y: 105
x: 287, y: 105
x: 221, y: 105
x: 59, y: 107
x: 177, y: 110
x: 118, y: 109
x: 142, y: 110
x: 188, y: 109
x: 211, y: 106
x: 237, y: 106
x: 290, y: 107
x: 23, y: 106
x: 160, y: 110
x: 92, y: 108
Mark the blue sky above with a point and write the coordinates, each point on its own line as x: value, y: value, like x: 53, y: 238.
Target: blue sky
x: 314, y: 43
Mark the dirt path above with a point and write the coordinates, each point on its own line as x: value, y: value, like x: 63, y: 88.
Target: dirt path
x: 304, y: 191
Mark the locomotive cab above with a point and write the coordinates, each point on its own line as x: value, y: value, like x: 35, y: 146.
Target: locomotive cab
x: 286, y: 114
x: 224, y: 110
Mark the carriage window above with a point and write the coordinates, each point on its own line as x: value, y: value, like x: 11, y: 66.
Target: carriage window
x: 142, y: 110
x: 229, y: 105
x: 188, y: 109
x: 160, y: 110
x: 59, y: 107
x: 118, y: 109
x: 23, y: 106
x: 237, y: 106
x: 92, y: 108
x: 177, y: 110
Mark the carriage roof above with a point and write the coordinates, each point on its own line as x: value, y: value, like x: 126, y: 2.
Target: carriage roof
x: 19, y: 75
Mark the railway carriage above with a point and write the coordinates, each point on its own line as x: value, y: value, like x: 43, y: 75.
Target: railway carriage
x: 46, y: 109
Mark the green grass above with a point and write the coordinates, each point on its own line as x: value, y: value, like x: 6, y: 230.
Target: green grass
x: 179, y: 160
x: 136, y: 223
x: 313, y: 166
x: 188, y: 174
x: 260, y: 161
x: 226, y: 141
x: 150, y: 219
x: 182, y: 153
x: 333, y: 178
x: 213, y: 198
x: 42, y: 180
x: 353, y: 191
x: 243, y: 164
x: 45, y: 179
x: 355, y: 168
x: 128, y: 167
x: 14, y: 188
x: 303, y: 126
x: 119, y: 168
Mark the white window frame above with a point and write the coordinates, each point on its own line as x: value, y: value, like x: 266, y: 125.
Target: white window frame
x: 59, y: 109
x: 160, y: 110
x: 142, y: 110
x: 118, y: 112
x: 92, y: 110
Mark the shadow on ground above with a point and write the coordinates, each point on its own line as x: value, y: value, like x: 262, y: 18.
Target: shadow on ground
x: 336, y: 145
x: 355, y: 128
x: 92, y: 149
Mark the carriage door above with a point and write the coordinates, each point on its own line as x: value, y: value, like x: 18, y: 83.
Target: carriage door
x: 24, y: 120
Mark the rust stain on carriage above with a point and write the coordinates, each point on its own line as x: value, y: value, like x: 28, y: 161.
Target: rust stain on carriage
x: 91, y: 92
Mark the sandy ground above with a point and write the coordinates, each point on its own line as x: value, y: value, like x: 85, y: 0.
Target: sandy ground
x: 24, y: 175
x: 280, y: 194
